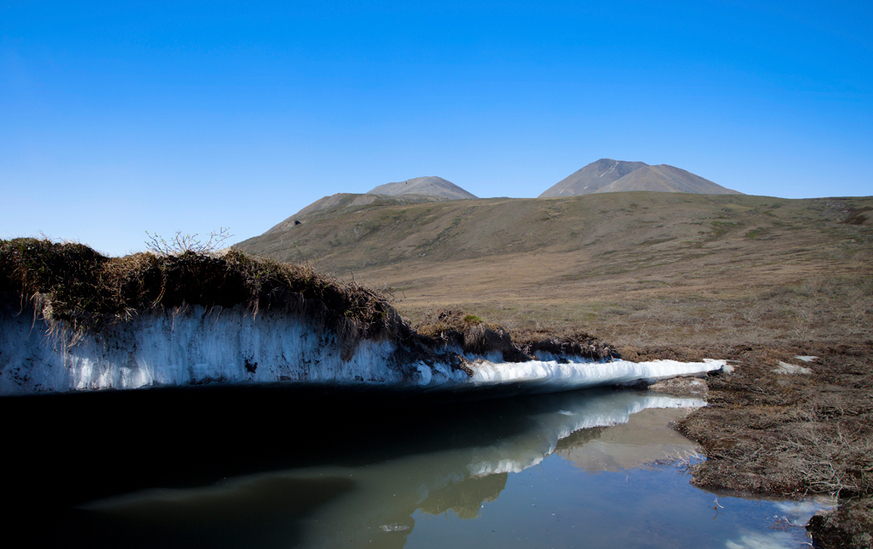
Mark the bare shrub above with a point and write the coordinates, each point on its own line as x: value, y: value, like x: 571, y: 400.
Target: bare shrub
x: 185, y: 243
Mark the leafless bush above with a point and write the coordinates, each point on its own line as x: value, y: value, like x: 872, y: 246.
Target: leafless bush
x: 184, y: 243
x: 824, y: 456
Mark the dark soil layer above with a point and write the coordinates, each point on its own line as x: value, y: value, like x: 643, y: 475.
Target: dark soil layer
x: 850, y: 526
x: 791, y: 435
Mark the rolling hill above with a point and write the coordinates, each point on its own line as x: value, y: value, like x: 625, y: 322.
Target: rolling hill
x: 607, y: 176
x: 411, y: 191
x: 606, y: 260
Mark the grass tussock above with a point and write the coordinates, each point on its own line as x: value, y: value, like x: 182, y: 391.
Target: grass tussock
x: 849, y: 527
x: 74, y: 286
x: 473, y: 335
x: 470, y: 333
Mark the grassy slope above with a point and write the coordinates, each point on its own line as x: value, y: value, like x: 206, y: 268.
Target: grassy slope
x: 633, y: 268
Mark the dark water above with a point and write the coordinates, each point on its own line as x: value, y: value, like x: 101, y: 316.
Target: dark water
x: 279, y: 467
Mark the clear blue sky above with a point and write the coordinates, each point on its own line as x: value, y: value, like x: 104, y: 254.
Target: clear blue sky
x: 118, y: 118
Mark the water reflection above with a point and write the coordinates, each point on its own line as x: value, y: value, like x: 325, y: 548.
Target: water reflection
x: 645, y: 441
x: 352, y: 469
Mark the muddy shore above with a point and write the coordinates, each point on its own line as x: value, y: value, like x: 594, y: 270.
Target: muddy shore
x: 790, y: 420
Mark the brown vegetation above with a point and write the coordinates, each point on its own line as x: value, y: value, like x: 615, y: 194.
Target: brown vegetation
x: 767, y: 431
x: 849, y: 527
x: 629, y: 268
x: 470, y: 334
x: 74, y: 286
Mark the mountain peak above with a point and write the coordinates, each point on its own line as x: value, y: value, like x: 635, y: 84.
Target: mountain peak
x: 427, y: 186
x: 607, y: 175
x: 592, y: 177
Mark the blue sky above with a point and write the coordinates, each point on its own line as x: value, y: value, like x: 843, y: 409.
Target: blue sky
x: 118, y: 118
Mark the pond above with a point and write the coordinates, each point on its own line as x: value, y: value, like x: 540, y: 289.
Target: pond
x: 331, y: 467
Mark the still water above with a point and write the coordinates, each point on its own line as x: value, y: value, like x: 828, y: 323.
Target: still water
x: 273, y: 467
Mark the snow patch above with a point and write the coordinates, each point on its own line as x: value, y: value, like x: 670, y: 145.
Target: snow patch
x: 193, y: 347
x: 554, y: 374
x: 789, y: 369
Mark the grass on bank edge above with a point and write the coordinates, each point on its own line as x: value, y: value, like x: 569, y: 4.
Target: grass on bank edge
x: 74, y: 287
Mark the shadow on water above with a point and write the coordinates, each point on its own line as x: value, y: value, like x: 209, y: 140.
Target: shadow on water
x: 91, y: 445
x: 286, y: 466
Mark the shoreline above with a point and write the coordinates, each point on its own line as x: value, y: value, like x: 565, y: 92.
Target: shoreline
x: 772, y: 430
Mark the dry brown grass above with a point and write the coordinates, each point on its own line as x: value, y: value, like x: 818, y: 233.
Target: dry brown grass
x: 76, y: 288
x: 453, y: 327
x: 631, y: 268
x: 767, y: 432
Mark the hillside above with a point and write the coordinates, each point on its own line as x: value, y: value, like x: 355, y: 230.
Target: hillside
x: 607, y: 175
x: 411, y: 191
x: 345, y: 203
x: 610, y: 262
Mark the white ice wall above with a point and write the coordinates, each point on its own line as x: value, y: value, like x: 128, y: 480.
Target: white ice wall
x: 196, y: 345
x: 190, y: 347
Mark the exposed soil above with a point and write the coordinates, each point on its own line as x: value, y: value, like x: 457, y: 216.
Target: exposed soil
x: 770, y: 432
x: 849, y: 526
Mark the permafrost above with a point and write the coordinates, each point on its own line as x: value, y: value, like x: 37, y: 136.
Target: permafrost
x: 196, y: 346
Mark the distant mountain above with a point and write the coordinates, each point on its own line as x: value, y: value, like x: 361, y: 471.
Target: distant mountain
x: 411, y: 191
x: 427, y: 186
x: 592, y: 177
x: 609, y: 176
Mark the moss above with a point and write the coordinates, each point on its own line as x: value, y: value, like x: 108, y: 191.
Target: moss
x: 755, y: 233
x: 720, y: 228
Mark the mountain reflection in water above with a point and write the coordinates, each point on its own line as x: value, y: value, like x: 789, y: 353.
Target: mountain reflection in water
x: 334, y: 467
